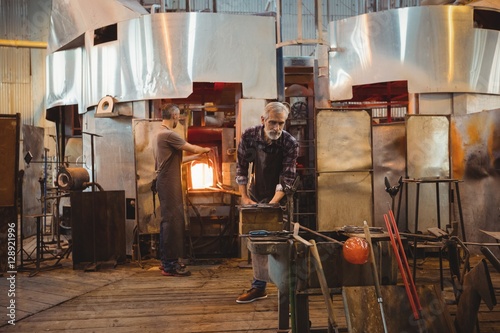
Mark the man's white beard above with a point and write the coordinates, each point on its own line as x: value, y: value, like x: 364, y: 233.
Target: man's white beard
x: 273, y: 135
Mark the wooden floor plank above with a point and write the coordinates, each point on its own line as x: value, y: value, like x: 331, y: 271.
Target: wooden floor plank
x: 129, y: 298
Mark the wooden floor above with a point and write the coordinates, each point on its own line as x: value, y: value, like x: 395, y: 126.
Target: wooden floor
x: 131, y: 298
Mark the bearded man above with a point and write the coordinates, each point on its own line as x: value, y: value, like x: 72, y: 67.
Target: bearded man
x: 273, y: 153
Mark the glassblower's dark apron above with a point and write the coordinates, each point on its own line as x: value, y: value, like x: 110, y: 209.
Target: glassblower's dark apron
x: 267, y: 167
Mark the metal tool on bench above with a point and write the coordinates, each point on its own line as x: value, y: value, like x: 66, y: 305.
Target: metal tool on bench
x: 333, y: 240
x: 259, y: 205
x: 296, y: 227
x: 266, y: 233
x: 353, y: 229
x: 375, y: 275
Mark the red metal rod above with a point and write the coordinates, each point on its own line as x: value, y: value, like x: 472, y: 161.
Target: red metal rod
x: 401, y: 269
x: 405, y: 260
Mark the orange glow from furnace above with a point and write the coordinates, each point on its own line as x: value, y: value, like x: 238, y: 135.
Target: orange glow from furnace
x: 202, y: 176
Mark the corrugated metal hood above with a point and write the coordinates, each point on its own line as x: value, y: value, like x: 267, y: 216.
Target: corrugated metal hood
x: 70, y: 19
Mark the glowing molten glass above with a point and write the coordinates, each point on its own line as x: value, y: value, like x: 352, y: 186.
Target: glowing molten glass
x: 356, y: 250
x: 202, y: 176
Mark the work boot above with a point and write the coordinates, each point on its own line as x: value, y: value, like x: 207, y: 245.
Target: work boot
x: 177, y: 269
x: 251, y: 295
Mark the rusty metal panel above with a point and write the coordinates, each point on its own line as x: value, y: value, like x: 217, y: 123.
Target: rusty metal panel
x: 344, y: 198
x: 475, y: 142
x: 389, y: 160
x: 343, y: 140
x: 428, y: 156
x: 9, y: 150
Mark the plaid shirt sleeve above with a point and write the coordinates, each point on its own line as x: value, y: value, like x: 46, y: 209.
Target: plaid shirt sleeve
x: 242, y: 160
x: 290, y: 154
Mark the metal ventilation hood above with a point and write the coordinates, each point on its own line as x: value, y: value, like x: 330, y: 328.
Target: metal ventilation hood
x: 71, y: 19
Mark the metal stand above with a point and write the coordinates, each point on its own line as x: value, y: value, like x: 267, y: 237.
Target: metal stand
x: 41, y: 223
x: 40, y: 244
x: 435, y: 181
x: 393, y: 190
x: 94, y: 266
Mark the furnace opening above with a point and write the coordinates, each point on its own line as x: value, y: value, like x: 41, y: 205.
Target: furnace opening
x: 203, y: 173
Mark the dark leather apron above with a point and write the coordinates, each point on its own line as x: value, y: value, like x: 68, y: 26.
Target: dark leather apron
x: 267, y: 167
x: 172, y: 226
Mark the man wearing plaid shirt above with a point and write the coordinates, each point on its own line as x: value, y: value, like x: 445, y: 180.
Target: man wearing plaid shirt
x: 273, y: 153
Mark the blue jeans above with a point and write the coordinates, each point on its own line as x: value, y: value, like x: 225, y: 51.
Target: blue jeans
x: 259, y: 284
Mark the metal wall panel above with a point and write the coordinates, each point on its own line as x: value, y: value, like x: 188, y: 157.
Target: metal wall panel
x: 339, y: 9
x: 232, y: 6
x: 434, y: 48
x: 344, y: 198
x: 18, y: 21
x: 15, y: 83
x: 14, y: 65
x: 16, y: 98
x: 289, y: 32
x: 428, y: 156
x: 38, y: 20
x: 114, y: 159
x: 476, y: 160
x: 344, y: 166
x: 11, y: 26
x: 389, y: 160
x: 428, y: 146
x: 343, y: 141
